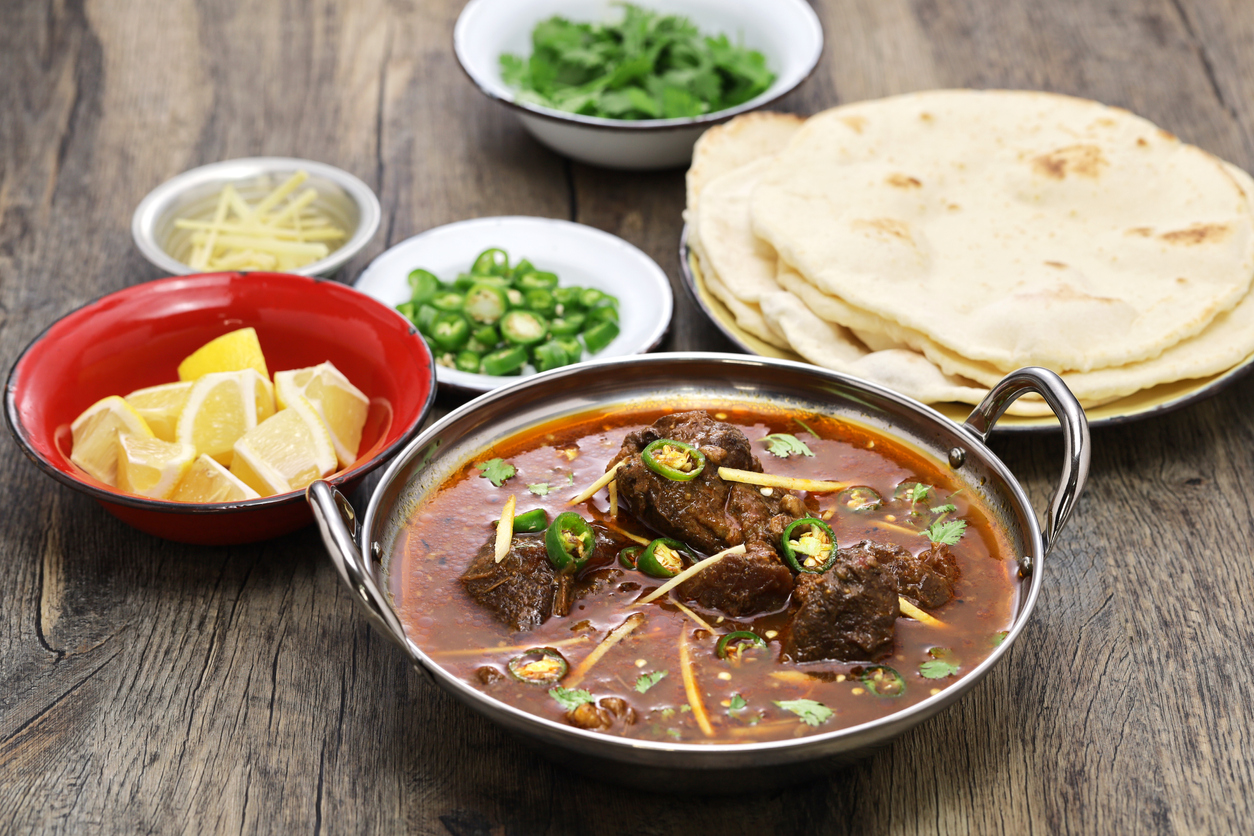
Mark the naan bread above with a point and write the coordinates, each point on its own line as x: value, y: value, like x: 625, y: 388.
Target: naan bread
x: 1011, y: 228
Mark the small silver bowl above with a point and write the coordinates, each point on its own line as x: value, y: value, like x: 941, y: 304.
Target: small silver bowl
x: 346, y: 200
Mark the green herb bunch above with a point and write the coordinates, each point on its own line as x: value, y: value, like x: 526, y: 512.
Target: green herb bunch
x: 649, y: 66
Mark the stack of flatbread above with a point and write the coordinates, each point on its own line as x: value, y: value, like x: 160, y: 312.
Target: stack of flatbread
x: 934, y: 242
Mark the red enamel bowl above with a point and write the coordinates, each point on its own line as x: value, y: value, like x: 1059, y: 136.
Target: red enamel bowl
x: 136, y: 337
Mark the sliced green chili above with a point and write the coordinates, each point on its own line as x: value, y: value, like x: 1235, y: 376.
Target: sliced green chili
x: 813, y: 549
x: 537, y: 280
x: 450, y: 331
x: 485, y: 303
x: 663, y: 558
x: 523, y: 327
x: 591, y: 297
x: 468, y: 361
x: 550, y: 355
x: 426, y: 318
x: 505, y: 360
x: 447, y: 300
x: 423, y: 285
x: 537, y: 519
x: 737, y: 643
x: 567, y: 325
x: 675, y: 460
x: 570, y: 541
x: 572, y: 347
x: 628, y: 557
x: 539, y: 666
x: 540, y: 300
x: 860, y: 499
x: 491, y: 262
x: 883, y: 681
x: 568, y: 298
x: 600, y: 335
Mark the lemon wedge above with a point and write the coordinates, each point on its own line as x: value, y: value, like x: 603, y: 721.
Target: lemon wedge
x: 232, y: 352
x: 151, y: 467
x: 221, y: 407
x: 161, y: 406
x: 286, y: 451
x: 340, y: 404
x: 95, y: 433
x: 208, y: 481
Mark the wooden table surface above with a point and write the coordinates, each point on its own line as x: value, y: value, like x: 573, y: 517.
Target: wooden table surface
x: 147, y: 686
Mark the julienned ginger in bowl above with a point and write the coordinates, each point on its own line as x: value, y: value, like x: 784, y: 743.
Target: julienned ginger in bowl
x: 223, y: 432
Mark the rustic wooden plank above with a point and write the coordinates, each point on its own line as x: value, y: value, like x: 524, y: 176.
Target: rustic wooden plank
x: 152, y: 687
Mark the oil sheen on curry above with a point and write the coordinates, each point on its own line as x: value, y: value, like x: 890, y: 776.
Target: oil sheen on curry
x: 719, y: 575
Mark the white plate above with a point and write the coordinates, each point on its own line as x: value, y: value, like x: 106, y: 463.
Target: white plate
x: 579, y: 255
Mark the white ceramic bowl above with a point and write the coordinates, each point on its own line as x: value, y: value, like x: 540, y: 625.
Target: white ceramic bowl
x: 787, y: 32
x: 580, y: 255
x: 348, y: 201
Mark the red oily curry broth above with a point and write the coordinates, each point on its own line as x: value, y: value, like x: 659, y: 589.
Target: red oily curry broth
x: 667, y: 668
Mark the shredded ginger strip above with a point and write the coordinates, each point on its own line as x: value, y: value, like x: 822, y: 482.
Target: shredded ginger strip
x: 616, y: 635
x: 768, y: 480
x: 586, y: 493
x: 689, y: 572
x: 911, y: 611
x: 691, y: 689
x: 505, y: 529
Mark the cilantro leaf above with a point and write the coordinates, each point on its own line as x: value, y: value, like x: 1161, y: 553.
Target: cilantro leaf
x: 811, y: 713
x: 937, y: 669
x: 496, y: 471
x: 647, y: 680
x: 946, y: 533
x: 737, y: 702
x: 947, y: 508
x: 1000, y: 637
x: 539, y: 489
x: 917, y: 492
x: 568, y: 698
x: 785, y: 445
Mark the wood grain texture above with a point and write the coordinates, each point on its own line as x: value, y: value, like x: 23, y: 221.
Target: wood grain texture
x: 150, y: 687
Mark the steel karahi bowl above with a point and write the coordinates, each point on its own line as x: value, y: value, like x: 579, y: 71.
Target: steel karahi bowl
x: 787, y: 32
x: 136, y: 337
x: 344, y: 199
x: 361, y: 553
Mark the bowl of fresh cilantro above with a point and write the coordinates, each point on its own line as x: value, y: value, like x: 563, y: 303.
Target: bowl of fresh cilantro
x: 632, y: 85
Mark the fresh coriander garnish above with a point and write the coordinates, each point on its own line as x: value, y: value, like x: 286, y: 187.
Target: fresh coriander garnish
x: 647, y: 680
x: 811, y: 713
x: 737, y: 702
x: 1000, y: 637
x: 785, y: 445
x: 947, y: 508
x: 946, y: 533
x: 496, y: 471
x: 917, y: 492
x: 539, y: 489
x: 569, y: 698
x: 937, y: 669
x: 648, y: 66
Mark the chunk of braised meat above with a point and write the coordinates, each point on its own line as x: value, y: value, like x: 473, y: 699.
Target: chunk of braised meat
x: 846, y: 614
x: 710, y: 514
x: 524, y: 590
x: 602, y: 715
x: 927, y: 580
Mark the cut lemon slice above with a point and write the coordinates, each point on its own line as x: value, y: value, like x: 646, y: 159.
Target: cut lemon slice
x: 151, y: 467
x: 286, y: 451
x: 95, y: 435
x: 161, y: 406
x: 340, y: 404
x: 231, y: 352
x: 221, y: 407
x: 208, y: 481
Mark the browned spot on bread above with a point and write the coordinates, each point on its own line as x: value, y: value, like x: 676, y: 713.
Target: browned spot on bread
x: 925, y: 116
x: 903, y: 181
x: 1057, y: 265
x: 953, y: 207
x: 1167, y: 135
x: 886, y: 226
x: 1084, y: 160
x: 1140, y: 140
x: 1143, y: 231
x: 855, y: 123
x: 1197, y: 234
x: 1182, y: 280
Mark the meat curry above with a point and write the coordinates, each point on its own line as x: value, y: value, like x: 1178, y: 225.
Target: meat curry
x: 720, y: 575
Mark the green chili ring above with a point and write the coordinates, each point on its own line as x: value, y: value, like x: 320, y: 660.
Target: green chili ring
x: 628, y: 557
x: 692, y: 457
x: 663, y: 558
x: 736, y: 638
x: 537, y: 519
x: 798, y: 559
x: 883, y: 681
x: 570, y: 542
x: 539, y: 666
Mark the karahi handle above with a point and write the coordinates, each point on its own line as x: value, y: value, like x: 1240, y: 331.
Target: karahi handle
x: 337, y: 522
x: 1075, y: 434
